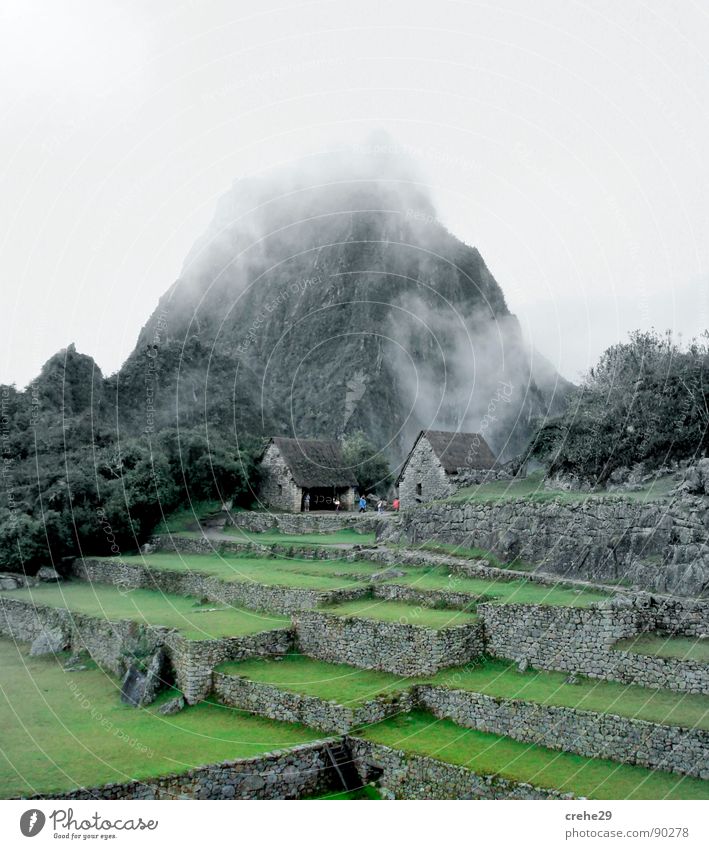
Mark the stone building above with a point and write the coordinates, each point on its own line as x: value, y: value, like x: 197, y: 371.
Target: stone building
x: 294, y: 468
x: 440, y: 463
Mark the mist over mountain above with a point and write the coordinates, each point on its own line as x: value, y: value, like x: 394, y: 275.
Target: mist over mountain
x: 322, y: 301
x: 327, y: 298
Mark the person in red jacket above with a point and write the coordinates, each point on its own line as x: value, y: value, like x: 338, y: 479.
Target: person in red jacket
x: 395, y: 504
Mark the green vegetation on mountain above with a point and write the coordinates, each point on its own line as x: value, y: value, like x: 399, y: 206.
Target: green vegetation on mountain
x: 340, y: 309
x: 645, y: 404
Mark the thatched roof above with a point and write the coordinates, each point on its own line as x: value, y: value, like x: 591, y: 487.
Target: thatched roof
x: 456, y: 450
x: 315, y: 462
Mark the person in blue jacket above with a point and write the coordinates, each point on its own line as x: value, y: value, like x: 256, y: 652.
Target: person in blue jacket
x: 362, y: 504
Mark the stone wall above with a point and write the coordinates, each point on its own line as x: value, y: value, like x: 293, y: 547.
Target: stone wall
x: 581, y: 640
x: 305, y: 523
x: 655, y: 546
x: 114, y: 644
x: 277, y: 487
x: 402, y: 649
x: 273, y: 599
x: 111, y: 644
x: 285, y: 774
x: 425, y: 598
x: 423, y: 479
x: 595, y: 735
x: 218, y: 545
x: 402, y: 775
x: 193, y: 661
x: 287, y: 706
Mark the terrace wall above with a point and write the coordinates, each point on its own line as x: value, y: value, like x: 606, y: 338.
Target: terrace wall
x: 655, y: 546
x: 274, y: 599
x: 193, y: 661
x: 595, y: 735
x: 305, y: 523
x: 218, y: 545
x: 268, y: 700
x: 409, y: 650
x: 408, y: 776
x: 114, y: 644
x: 111, y: 644
x: 426, y: 598
x: 290, y: 774
x: 574, y: 639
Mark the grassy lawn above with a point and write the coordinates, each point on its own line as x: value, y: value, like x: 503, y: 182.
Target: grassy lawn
x: 306, y: 574
x: 485, y: 753
x: 532, y: 488
x: 336, y: 682
x: 684, y: 648
x: 501, y: 679
x: 517, y: 591
x: 407, y: 614
x: 346, y: 536
x: 192, y: 619
x: 64, y: 729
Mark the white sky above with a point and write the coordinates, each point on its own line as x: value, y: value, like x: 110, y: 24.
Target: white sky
x: 566, y: 140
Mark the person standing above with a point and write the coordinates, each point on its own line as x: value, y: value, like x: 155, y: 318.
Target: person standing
x: 306, y: 502
x: 362, y: 504
x: 395, y: 505
x: 337, y: 504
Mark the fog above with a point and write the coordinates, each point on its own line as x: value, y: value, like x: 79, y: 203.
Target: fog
x: 567, y: 142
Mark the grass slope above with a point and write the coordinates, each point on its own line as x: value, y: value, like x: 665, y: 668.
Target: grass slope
x: 272, y: 571
x: 338, y: 574
x: 658, y: 645
x: 532, y: 488
x: 194, y: 620
x: 63, y: 729
x: 350, y: 686
x: 488, y: 754
x: 501, y: 679
x: 188, y: 518
x: 508, y: 592
x: 406, y: 614
x: 346, y: 536
x: 346, y: 685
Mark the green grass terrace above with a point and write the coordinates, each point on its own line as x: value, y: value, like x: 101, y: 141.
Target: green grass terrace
x: 189, y: 616
x: 660, y: 645
x: 532, y: 488
x: 350, y: 686
x: 63, y: 729
x: 405, y: 614
x: 518, y: 591
x: 490, y: 754
x: 344, y: 537
x: 326, y: 575
x: 272, y: 571
x: 337, y: 682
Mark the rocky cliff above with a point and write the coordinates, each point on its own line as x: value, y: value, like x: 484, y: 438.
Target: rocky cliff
x: 329, y: 300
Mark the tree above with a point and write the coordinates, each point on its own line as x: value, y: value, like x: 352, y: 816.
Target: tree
x: 370, y: 468
x: 646, y: 402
